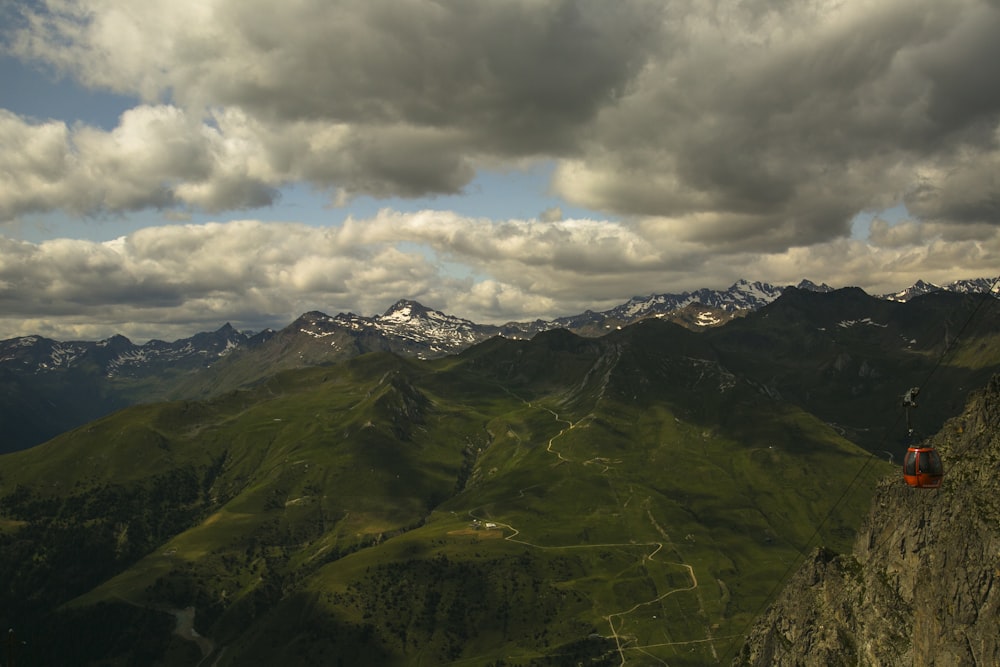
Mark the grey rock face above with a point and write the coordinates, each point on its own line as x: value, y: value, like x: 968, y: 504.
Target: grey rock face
x: 922, y: 586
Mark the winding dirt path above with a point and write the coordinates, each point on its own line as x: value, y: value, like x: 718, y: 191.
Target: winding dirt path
x: 657, y: 547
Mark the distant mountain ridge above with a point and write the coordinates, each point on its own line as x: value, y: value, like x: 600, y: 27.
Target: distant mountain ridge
x: 47, y: 386
x: 118, y: 355
x: 421, y: 331
x: 971, y: 286
x: 406, y: 327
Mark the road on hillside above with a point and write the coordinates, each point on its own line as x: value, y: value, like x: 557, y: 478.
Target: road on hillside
x: 621, y: 642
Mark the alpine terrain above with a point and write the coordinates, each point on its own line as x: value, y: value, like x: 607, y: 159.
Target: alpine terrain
x: 49, y: 386
x: 630, y: 498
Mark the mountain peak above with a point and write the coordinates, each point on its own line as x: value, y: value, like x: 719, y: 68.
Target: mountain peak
x: 809, y: 285
x: 918, y: 288
x: 309, y: 318
x: 117, y: 340
x: 405, y: 308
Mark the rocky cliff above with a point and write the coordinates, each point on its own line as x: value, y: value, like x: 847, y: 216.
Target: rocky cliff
x: 922, y: 586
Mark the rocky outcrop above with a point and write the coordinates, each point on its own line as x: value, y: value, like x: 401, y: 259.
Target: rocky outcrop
x: 922, y: 586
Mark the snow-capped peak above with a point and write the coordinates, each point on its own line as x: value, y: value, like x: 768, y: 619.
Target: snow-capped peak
x: 918, y: 288
x: 406, y: 310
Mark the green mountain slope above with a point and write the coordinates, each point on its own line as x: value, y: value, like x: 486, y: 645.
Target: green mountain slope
x: 527, y: 502
x: 848, y: 357
x: 844, y: 356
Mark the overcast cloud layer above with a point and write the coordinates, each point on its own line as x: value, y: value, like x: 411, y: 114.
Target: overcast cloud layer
x: 721, y: 139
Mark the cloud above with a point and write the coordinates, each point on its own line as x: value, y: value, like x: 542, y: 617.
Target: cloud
x: 961, y: 187
x: 551, y: 214
x: 527, y: 65
x: 172, y: 281
x: 413, y: 92
x: 156, y: 157
x: 731, y: 127
x: 777, y: 129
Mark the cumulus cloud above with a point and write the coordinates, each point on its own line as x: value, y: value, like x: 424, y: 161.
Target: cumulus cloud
x: 760, y: 124
x: 175, y: 280
x: 387, y: 98
x: 777, y: 128
x: 160, y: 157
x: 156, y: 157
x: 526, y: 65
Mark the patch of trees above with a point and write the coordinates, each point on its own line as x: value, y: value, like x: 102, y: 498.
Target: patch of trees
x: 105, y: 634
x: 439, y: 606
x: 72, y: 543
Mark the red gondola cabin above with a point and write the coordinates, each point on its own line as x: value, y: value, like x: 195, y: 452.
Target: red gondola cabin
x: 922, y: 467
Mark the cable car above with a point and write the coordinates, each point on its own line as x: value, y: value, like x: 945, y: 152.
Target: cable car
x: 922, y: 467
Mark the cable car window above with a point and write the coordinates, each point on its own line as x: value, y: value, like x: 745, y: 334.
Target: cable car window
x: 934, y: 467
x: 927, y: 462
x: 910, y: 464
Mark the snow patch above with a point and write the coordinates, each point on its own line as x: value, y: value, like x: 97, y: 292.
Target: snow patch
x: 706, y: 319
x: 846, y: 324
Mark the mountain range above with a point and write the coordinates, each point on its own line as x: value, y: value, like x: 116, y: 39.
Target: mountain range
x: 626, y: 498
x: 48, y: 387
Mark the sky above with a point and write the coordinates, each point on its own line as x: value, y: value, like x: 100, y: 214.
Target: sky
x: 172, y: 165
